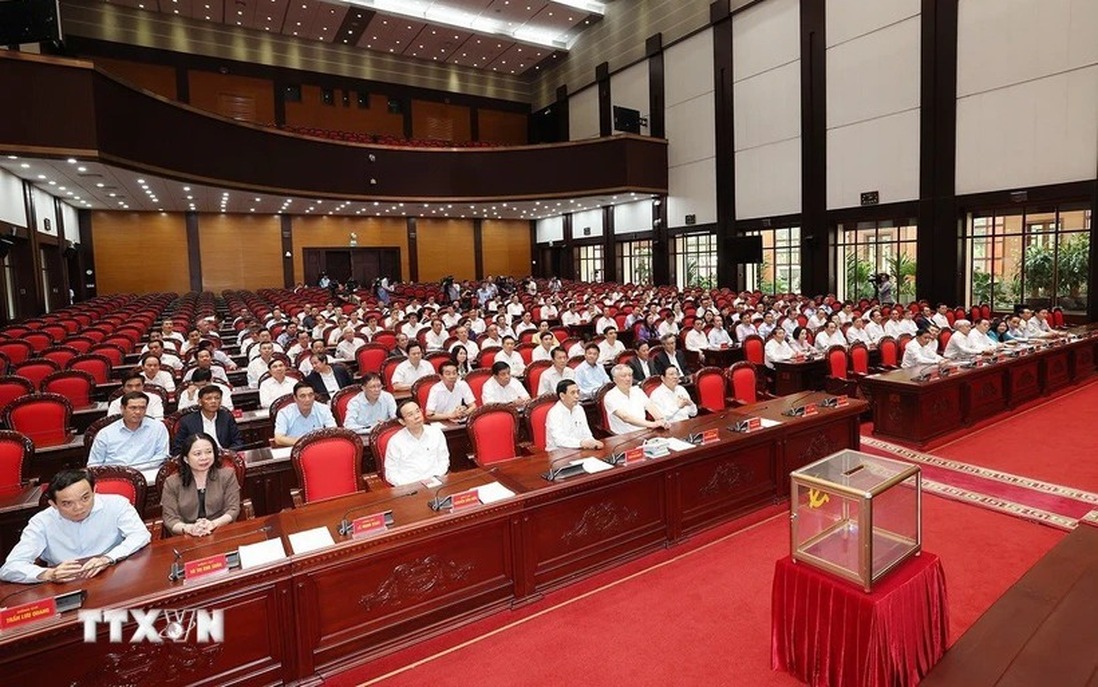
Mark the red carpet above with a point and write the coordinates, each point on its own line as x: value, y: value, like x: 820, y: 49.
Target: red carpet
x: 693, y: 615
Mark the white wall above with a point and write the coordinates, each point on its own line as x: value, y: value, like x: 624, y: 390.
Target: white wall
x: 633, y: 217
x: 873, y: 99
x: 587, y: 218
x: 690, y: 123
x: 629, y: 88
x: 44, y: 210
x: 767, y: 109
x: 583, y: 114
x: 1027, y: 93
x: 71, y: 218
x: 12, y: 208
x: 550, y: 229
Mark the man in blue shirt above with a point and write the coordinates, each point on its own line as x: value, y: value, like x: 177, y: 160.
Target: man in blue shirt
x: 590, y: 374
x: 134, y: 441
x: 370, y: 407
x: 78, y: 537
x: 301, y: 417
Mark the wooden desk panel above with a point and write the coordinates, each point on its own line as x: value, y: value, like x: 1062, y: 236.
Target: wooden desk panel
x: 711, y: 491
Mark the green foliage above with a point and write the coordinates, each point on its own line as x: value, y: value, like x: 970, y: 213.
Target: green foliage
x: 1038, y: 268
x: 902, y: 269
x: 777, y: 285
x: 642, y: 264
x: 857, y: 277
x: 997, y: 294
x: 695, y: 278
x: 1073, y: 265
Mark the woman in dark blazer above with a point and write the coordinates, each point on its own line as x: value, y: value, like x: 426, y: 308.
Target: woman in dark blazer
x: 201, y: 496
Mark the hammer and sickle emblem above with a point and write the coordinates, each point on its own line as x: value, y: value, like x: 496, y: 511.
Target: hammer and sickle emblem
x: 816, y: 498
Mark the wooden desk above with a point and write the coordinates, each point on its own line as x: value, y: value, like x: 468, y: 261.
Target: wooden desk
x: 324, y: 611
x: 918, y: 411
x: 793, y: 377
x: 16, y: 508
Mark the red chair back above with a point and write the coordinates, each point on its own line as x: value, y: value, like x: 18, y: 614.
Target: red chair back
x: 901, y: 344
x: 328, y: 463
x: 1058, y: 317
x: 81, y: 344
x: 526, y: 350
x: 533, y: 375
x: 890, y: 352
x: 487, y: 356
x: 379, y: 441
x: 859, y: 358
x: 13, y: 387
x: 35, y: 370
x: 38, y: 340
x: 341, y: 400
x: 16, y: 450
x: 122, y: 481
x: 753, y: 350
x: 476, y: 379
x: 75, y: 385
x: 44, y: 418
x: 60, y: 354
x: 437, y: 359
x: 743, y: 379
x: 98, y: 366
x: 985, y: 311
x: 712, y: 388
x: 493, y: 433
x: 837, y: 362
x: 370, y: 357
x: 388, y: 367
x: 943, y: 339
x: 651, y: 384
x: 111, y: 352
x: 385, y: 338
x: 421, y: 388
x: 536, y: 412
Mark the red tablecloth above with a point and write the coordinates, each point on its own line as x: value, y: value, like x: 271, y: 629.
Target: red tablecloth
x: 829, y: 632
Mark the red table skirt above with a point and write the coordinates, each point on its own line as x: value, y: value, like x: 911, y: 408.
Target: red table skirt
x: 829, y: 632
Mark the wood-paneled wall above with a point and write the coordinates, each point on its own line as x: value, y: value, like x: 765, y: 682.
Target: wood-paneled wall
x: 236, y: 97
x: 332, y: 232
x: 505, y: 245
x: 445, y: 247
x: 240, y: 251
x: 159, y: 79
x: 441, y: 121
x: 140, y: 252
x: 507, y: 128
x: 313, y: 112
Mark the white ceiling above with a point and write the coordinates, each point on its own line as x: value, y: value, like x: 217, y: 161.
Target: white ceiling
x: 507, y: 36
x: 97, y: 186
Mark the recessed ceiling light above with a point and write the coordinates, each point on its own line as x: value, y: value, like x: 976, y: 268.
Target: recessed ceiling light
x: 25, y: 165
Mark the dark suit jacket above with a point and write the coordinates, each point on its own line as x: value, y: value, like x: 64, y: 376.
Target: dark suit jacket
x: 638, y: 373
x: 661, y: 363
x: 180, y: 503
x: 228, y: 435
x: 343, y: 378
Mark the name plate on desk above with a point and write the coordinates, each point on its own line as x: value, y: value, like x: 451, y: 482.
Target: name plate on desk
x: 204, y: 567
x: 464, y: 499
x: 801, y: 411
x: 747, y: 425
x: 25, y: 614
x: 371, y: 524
x: 706, y: 437
x: 840, y: 401
x: 237, y: 413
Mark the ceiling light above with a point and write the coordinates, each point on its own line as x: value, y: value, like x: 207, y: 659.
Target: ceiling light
x: 25, y: 165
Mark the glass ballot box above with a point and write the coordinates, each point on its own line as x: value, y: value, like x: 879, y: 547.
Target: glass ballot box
x: 855, y: 515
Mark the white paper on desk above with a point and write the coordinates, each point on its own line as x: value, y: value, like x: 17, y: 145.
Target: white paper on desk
x: 252, y: 555
x: 767, y: 422
x: 592, y: 465
x: 311, y: 540
x: 281, y: 452
x: 101, y: 405
x: 261, y: 412
x: 492, y: 492
x: 676, y: 444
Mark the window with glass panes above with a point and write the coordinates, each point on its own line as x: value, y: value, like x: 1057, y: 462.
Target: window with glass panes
x: 635, y: 262
x: 867, y: 250
x: 1037, y: 256
x: 780, y: 270
x: 695, y: 260
x: 589, y: 263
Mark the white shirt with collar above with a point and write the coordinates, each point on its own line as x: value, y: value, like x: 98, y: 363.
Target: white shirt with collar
x: 515, y: 361
x: 436, y: 341
x: 566, y: 428
x: 777, y: 351
x: 608, y: 353
x: 186, y: 401
x: 874, y: 331
x: 162, y: 379
x: 547, y: 383
x: 406, y: 375
x: 855, y: 334
x: 668, y: 403
x: 696, y: 341
x: 155, y: 409
x: 271, y: 389
x: 718, y: 336
x: 257, y: 367
x: 492, y: 392
x: 634, y: 405
x: 916, y: 355
x: 441, y: 401
x: 410, y: 459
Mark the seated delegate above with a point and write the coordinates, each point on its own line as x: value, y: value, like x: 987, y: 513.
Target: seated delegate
x: 202, y: 496
x: 416, y: 453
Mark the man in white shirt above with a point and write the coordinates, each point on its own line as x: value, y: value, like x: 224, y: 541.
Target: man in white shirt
x: 277, y: 385
x: 718, y: 335
x: 1037, y: 327
x: 857, y: 332
x: 526, y: 324
x: 626, y: 405
x: 544, y: 349
x: 566, y: 422
x: 696, y: 339
x: 978, y: 339
x: 204, y: 361
x: 491, y: 337
x: 449, y: 317
x: 672, y: 399
x: 502, y: 388
x: 135, y: 381
x: 187, y: 395
x: 959, y: 346
x: 892, y: 326
x: 571, y: 316
x: 668, y: 326
x: 369, y: 407
x: 416, y: 453
x: 264, y: 336
x: 348, y: 344
x: 830, y: 336
x: 514, y: 308
x: 259, y: 365
x: 922, y: 350
x: 873, y: 327
x: 436, y: 337
x: 603, y: 322
x: 471, y: 347
x: 777, y: 349
x: 818, y: 320
x: 549, y: 312
x: 766, y: 326
x: 301, y: 344
x: 610, y: 347
x: 940, y: 318
x: 509, y: 355
x: 412, y: 327
x: 450, y: 399
x: 412, y: 369
x: 558, y: 372
x: 153, y: 374
x: 745, y: 329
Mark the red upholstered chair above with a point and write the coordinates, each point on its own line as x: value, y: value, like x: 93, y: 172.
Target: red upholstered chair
x: 1057, y: 317
x: 493, y: 433
x: 75, y: 385
x: 943, y: 339
x: 604, y: 419
x: 535, y: 413
x: 533, y: 375
x: 421, y: 388
x: 13, y: 387
x: 35, y: 370
x: 650, y: 384
x: 859, y: 359
x: 386, y: 339
x: 958, y: 314
x: 59, y: 354
x: 437, y: 359
x: 370, y: 357
x: 839, y: 380
x: 38, y: 340
x: 476, y: 379
x: 16, y: 450
x: 712, y: 388
x: 387, y: 369
x: 526, y: 350
x: 985, y: 311
x: 341, y: 400
x: 974, y: 314
x: 82, y: 344
x: 379, y: 441
x: 328, y: 463
x: 111, y: 352
x: 56, y: 331
x: 890, y: 353
x: 45, y: 418
x: 226, y: 459
x: 122, y: 342
x: 487, y: 356
x: 743, y: 380
x: 753, y: 350
x: 123, y: 481
x: 901, y: 343
x: 5, y: 364
x: 98, y: 366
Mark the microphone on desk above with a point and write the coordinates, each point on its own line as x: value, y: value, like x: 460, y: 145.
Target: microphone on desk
x: 176, y: 572
x: 793, y: 410
x: 437, y: 503
x: 346, y: 526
